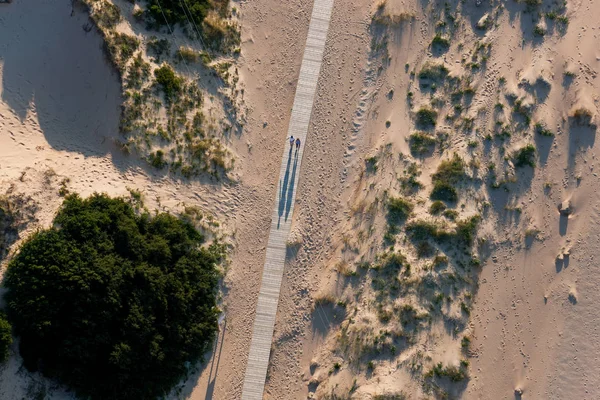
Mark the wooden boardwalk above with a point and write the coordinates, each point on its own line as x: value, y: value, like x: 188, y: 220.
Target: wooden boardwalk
x: 268, y: 297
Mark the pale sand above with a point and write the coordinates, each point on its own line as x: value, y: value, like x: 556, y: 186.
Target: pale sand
x: 59, y: 110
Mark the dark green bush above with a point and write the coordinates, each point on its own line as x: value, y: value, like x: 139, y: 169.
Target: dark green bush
x: 174, y: 11
x: 434, y: 72
x: 421, y: 143
x: 5, y: 337
x: 157, y: 159
x: 111, y: 303
x: 107, y: 15
x: 466, y: 229
x: 436, y: 207
x: 444, y: 191
x: 450, y: 171
x: 525, y: 156
x: 426, y: 118
x: 399, y: 209
x: 440, y: 42
x: 169, y: 82
x: 158, y: 47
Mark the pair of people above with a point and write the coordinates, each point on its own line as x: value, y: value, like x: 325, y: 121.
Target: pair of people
x: 297, y: 141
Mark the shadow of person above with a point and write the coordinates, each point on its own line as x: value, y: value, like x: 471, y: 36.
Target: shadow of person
x: 290, y: 195
x: 283, y: 188
x: 212, y: 377
x: 563, y: 224
x: 56, y: 72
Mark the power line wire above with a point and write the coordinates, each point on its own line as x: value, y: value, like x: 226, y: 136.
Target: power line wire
x: 199, y: 37
x: 171, y: 31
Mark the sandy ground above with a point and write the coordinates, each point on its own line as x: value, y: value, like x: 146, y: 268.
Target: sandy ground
x: 533, y: 322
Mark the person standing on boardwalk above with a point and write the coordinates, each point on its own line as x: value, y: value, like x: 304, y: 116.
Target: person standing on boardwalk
x: 291, y: 142
x: 297, y: 144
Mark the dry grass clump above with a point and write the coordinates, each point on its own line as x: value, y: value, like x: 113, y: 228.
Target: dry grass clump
x: 421, y: 143
x: 105, y: 14
x: 399, y: 209
x: 187, y: 54
x: 220, y: 34
x: 385, y: 18
x: 433, y: 71
x: 582, y: 116
x: 390, y: 396
x: 121, y: 48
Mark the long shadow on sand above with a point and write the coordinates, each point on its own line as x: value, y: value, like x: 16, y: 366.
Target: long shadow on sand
x: 53, y: 68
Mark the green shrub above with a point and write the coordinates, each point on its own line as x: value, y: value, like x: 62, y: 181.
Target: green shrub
x: 541, y: 129
x: 466, y: 229
x: 433, y: 71
x: 456, y: 374
x: 440, y: 42
x: 426, y: 118
x: 450, y: 214
x: 158, y: 47
x: 169, y: 82
x: 157, y: 159
x: 421, y: 143
x: 107, y: 15
x: 423, y: 230
x: 5, y: 337
x: 451, y: 171
x: 399, y: 209
x: 539, y: 31
x: 190, y: 56
x: 444, y: 191
x: 436, y: 207
x: 195, y: 10
x: 111, y: 303
x: 525, y: 156
x: 121, y: 48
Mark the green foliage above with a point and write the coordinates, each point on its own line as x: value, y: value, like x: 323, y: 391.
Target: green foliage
x: 5, y: 337
x: 158, y: 47
x: 444, y: 191
x: 539, y: 31
x: 451, y: 171
x: 157, y: 159
x: 466, y: 229
x: 440, y: 42
x: 541, y: 129
x: 121, y: 48
x: 111, y: 303
x: 437, y: 207
x: 433, y: 71
x: 426, y: 118
x: 169, y: 82
x: 174, y: 12
x: 106, y: 14
x: 456, y: 374
x: 421, y: 143
x: 463, y: 233
x: 421, y: 230
x: 189, y: 55
x: 399, y: 209
x: 138, y: 72
x: 525, y: 156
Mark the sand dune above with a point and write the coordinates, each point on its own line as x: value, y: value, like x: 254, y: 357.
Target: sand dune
x: 367, y: 308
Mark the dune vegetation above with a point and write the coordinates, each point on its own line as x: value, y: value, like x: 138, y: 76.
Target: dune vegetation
x: 113, y: 303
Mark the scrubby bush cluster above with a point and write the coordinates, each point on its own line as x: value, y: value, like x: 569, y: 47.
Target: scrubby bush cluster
x: 112, y: 303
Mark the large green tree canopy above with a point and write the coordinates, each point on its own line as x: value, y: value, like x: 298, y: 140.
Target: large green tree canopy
x: 112, y: 303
